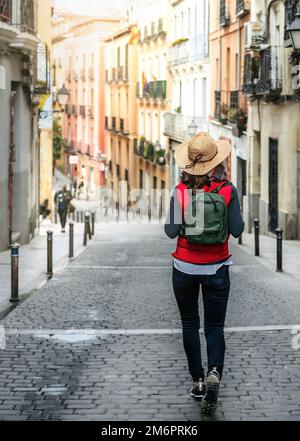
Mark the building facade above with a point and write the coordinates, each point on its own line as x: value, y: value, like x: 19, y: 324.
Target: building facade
x: 152, y: 94
x: 81, y: 52
x: 274, y: 118
x: 228, y: 116
x: 20, y: 89
x: 121, y: 109
x: 189, y: 75
x: 45, y: 124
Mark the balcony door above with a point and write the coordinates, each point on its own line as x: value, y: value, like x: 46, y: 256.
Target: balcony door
x: 273, y: 184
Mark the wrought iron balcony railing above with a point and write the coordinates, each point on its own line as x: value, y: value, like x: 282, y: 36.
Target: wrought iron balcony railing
x: 189, y: 51
x: 121, y: 73
x: 242, y: 7
x: 224, y: 13
x: 157, y: 90
x: 217, y: 104
x: 28, y: 16
x: 270, y: 75
x: 6, y: 10
x: 124, y: 126
x: 251, y: 74
x: 82, y: 111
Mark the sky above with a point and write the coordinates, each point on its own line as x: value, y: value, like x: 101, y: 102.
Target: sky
x: 91, y: 7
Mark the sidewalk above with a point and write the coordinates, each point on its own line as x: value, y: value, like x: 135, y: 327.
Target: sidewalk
x: 33, y: 262
x: 290, y: 253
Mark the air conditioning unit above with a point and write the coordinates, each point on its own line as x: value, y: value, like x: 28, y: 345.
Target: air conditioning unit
x: 253, y: 35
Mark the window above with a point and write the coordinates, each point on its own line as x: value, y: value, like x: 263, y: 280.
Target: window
x: 141, y: 179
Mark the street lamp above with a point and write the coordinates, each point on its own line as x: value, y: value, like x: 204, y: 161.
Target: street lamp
x: 63, y: 96
x: 192, y: 128
x: 294, y: 31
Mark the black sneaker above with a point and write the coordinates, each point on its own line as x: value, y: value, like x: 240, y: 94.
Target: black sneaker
x: 198, y: 389
x: 210, y: 399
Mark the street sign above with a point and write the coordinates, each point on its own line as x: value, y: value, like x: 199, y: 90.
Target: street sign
x: 46, y: 114
x: 73, y: 160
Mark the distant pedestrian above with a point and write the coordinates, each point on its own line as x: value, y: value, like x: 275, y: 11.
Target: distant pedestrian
x: 204, y: 211
x: 44, y: 209
x: 81, y: 187
x: 62, y: 200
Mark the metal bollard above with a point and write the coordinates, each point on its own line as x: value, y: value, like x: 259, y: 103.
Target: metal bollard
x: 93, y: 222
x: 241, y: 240
x: 50, y: 254
x: 279, y: 232
x: 71, y: 240
x: 15, y: 273
x: 256, y: 233
x: 86, y: 229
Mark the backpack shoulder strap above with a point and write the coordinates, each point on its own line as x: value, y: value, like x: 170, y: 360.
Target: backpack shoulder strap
x: 225, y: 184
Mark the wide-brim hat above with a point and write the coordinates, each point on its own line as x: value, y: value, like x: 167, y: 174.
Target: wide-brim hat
x: 201, y: 154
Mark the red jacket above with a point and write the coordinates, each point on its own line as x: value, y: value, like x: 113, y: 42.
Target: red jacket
x: 197, y: 253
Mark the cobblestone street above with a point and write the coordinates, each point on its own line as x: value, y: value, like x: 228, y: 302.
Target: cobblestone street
x: 102, y: 340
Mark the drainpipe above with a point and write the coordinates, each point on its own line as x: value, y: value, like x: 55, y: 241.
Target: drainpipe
x: 11, y: 161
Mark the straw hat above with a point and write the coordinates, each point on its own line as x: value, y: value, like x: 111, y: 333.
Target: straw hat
x: 201, y: 154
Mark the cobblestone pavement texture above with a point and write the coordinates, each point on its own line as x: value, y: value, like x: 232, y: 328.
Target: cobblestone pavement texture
x: 144, y: 377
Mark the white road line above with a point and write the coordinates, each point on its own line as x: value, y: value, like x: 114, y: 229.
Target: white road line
x: 104, y: 332
x: 118, y: 267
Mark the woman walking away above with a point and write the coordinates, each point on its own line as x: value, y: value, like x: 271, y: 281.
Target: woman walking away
x: 204, y: 212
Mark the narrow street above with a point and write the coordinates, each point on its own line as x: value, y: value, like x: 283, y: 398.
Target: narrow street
x: 102, y: 340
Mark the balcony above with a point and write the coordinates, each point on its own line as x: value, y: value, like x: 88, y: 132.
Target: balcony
x: 217, y: 105
x: 156, y: 90
x: 234, y: 105
x: 188, y: 51
x: 75, y: 75
x: 82, y: 74
x: 177, y: 125
x: 270, y: 72
x: 124, y: 126
x: 224, y: 13
x: 74, y: 110
x: 18, y: 25
x: 114, y: 75
x: 28, y: 17
x: 121, y: 73
x: 91, y: 112
x: 145, y: 149
x: 68, y: 76
x: 91, y: 73
x: 242, y: 8
x: 82, y: 111
x: 6, y: 11
x: 251, y: 74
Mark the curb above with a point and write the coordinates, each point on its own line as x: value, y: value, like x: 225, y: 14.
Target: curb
x: 40, y: 281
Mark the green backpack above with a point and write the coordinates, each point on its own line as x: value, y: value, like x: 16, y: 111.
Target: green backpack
x: 209, y: 216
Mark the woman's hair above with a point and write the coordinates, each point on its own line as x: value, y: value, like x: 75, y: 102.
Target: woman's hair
x: 194, y: 182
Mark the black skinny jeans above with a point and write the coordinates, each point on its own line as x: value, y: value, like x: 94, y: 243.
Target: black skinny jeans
x: 215, y: 292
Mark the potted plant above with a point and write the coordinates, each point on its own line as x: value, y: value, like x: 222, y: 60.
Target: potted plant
x: 241, y: 119
x: 150, y: 151
x: 224, y: 114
